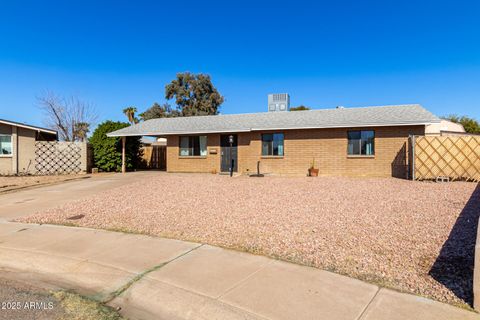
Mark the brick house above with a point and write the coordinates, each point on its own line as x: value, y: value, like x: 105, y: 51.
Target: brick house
x: 368, y: 141
x: 17, y: 146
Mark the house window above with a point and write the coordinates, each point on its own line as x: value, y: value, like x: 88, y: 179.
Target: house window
x: 5, y: 145
x: 272, y: 144
x: 193, y: 146
x: 361, y: 143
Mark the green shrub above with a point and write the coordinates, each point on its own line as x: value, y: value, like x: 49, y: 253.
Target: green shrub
x: 107, y: 151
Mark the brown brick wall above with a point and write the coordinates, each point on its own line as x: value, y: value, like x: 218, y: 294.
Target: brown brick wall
x: 210, y: 163
x: 327, y: 146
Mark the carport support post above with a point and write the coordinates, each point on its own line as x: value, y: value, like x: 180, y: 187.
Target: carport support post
x: 124, y: 167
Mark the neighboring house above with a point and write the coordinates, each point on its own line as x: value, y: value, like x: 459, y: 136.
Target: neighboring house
x: 444, y: 127
x: 369, y: 141
x: 148, y: 142
x: 17, y: 146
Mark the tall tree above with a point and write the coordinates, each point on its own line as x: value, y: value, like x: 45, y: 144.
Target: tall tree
x: 66, y: 114
x: 469, y: 124
x: 159, y: 111
x: 194, y: 94
x: 130, y: 113
x: 299, y: 108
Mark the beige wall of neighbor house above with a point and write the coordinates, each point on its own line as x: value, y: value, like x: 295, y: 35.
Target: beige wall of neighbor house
x: 6, y: 161
x: 26, y: 150
x: 23, y: 150
x: 444, y: 127
x: 327, y: 146
x: 22, y: 158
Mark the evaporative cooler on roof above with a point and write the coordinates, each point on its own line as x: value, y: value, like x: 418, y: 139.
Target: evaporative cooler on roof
x: 278, y: 102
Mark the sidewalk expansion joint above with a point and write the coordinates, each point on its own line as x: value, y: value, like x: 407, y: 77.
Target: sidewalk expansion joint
x: 239, y: 283
x: 368, y: 304
x: 138, y: 277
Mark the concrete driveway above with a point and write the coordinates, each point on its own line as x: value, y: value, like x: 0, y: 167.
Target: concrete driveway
x: 27, y: 201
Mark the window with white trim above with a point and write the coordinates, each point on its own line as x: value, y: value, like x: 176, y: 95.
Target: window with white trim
x: 5, y: 145
x: 191, y: 146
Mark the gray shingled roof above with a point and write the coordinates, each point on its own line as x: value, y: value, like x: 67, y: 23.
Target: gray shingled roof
x: 323, y: 118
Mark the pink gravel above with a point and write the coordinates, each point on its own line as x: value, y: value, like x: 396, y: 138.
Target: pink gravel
x: 416, y: 237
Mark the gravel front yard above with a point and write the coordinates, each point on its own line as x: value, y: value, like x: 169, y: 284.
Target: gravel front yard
x: 412, y: 236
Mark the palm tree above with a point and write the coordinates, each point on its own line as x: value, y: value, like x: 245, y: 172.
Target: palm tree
x: 81, y: 129
x: 130, y: 113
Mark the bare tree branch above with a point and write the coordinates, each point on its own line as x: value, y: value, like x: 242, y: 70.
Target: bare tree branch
x: 71, y: 117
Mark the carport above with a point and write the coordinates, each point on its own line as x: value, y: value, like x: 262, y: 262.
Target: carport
x: 153, y: 155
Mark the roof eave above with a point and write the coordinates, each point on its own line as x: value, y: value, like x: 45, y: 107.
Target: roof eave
x: 139, y: 134
x: 115, y: 134
x: 26, y: 126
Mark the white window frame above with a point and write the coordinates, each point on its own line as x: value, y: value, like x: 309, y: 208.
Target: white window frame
x: 11, y: 141
x: 203, y: 153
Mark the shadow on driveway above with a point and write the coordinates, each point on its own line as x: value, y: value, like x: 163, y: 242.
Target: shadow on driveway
x: 454, y: 265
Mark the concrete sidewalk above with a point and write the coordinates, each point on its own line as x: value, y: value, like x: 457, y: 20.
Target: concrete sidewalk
x: 155, y: 278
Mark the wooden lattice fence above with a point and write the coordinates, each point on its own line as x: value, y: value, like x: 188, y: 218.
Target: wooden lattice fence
x: 154, y: 157
x: 455, y: 157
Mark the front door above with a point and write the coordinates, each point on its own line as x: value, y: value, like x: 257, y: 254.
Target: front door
x: 228, y: 153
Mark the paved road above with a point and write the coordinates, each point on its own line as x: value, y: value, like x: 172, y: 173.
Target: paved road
x: 27, y: 201
x: 21, y: 301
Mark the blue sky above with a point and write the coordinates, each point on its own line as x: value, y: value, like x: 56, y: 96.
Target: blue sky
x: 324, y: 53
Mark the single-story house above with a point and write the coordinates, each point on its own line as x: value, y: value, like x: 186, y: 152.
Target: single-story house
x: 367, y: 141
x: 17, y: 146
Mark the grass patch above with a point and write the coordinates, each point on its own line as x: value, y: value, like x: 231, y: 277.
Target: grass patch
x: 77, y: 307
